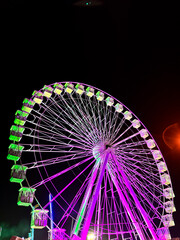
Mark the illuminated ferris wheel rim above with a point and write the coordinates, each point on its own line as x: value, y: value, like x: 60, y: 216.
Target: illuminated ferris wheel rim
x: 103, y: 146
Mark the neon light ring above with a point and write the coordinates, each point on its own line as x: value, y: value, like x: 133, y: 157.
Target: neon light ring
x: 103, y: 169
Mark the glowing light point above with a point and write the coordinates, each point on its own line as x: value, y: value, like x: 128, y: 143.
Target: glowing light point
x: 69, y: 87
x: 109, y: 101
x: 119, y: 107
x: 100, y: 96
x: 144, y: 133
x: 136, y: 123
x: 91, y: 236
x: 127, y: 115
x: 89, y: 91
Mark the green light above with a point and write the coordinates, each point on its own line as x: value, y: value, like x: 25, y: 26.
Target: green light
x: 14, y: 138
x: 16, y: 147
x: 11, y: 157
x: 14, y: 152
x: 79, y: 220
x: 19, y: 122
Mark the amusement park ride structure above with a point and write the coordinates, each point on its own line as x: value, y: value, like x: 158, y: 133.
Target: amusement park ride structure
x: 89, y: 155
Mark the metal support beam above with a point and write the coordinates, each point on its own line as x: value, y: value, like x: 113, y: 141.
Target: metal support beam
x: 125, y: 204
x: 95, y: 196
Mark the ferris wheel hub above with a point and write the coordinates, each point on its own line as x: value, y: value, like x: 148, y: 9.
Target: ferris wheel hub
x: 101, y: 148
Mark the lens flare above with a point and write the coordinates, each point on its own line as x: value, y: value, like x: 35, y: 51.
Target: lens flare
x: 171, y: 136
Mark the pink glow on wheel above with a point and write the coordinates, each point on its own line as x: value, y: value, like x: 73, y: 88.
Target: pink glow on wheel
x: 105, y: 172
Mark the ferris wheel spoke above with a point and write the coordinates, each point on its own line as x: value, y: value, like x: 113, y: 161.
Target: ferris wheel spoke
x: 61, y: 173
x: 61, y: 122
x: 140, y: 157
x: 70, y: 183
x: 94, y: 115
x: 56, y: 160
x: 73, y: 117
x: 118, y: 129
x: 51, y: 148
x: 135, y: 169
x: 74, y: 201
x: 111, y: 124
x: 89, y: 118
x: 144, y: 191
x: 150, y: 186
x: 125, y: 139
x: 81, y: 117
x: 76, y: 122
x: 145, y: 176
x: 114, y: 204
x: 62, y: 131
x: 56, y: 138
x: 149, y: 197
x: 130, y: 145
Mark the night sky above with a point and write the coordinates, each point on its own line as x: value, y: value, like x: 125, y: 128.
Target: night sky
x: 128, y: 49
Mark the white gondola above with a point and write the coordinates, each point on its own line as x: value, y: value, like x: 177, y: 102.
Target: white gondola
x: 47, y: 91
x: 156, y: 154
x: 169, y: 206
x: 168, y: 220
x: 79, y: 89
x: 100, y: 96
x: 69, y: 87
x: 168, y: 193
x: 144, y: 133
x: 118, y: 107
x: 150, y: 143
x: 37, y: 96
x: 90, y: 91
x: 165, y: 179
x: 162, y: 167
x: 127, y: 115
x: 136, y: 123
x: 58, y: 88
x: 163, y: 233
x: 109, y: 101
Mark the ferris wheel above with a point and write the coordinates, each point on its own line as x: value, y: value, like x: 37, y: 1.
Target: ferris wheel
x: 106, y: 175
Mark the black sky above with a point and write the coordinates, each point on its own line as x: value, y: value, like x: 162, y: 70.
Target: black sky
x: 128, y: 49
